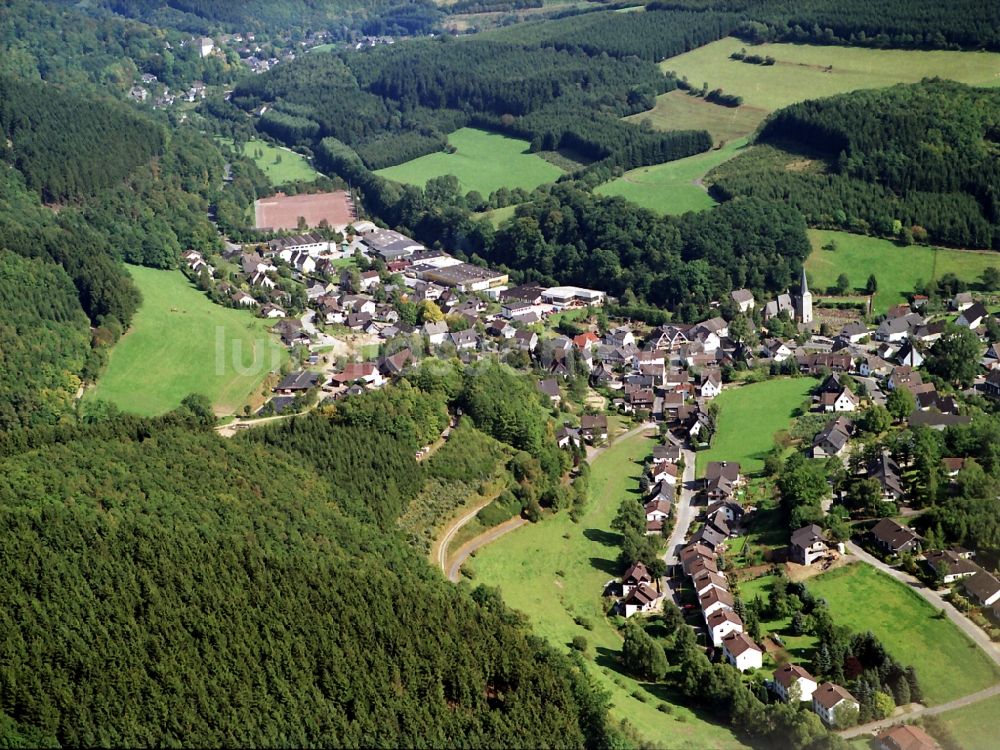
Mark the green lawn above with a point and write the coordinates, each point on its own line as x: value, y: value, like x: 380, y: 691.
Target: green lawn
x: 678, y: 110
x: 279, y: 164
x: 948, y: 664
x: 800, y: 648
x: 181, y: 343
x: 748, y: 418
x: 672, y: 187
x: 897, y: 269
x: 554, y: 578
x: 973, y: 726
x: 483, y: 161
x: 801, y: 70
x: 497, y: 215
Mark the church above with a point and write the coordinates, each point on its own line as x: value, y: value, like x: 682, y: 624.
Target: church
x: 804, y: 303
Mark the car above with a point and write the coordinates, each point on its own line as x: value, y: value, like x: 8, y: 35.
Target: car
x: 777, y: 639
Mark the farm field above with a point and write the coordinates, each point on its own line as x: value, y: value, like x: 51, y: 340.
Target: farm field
x: 749, y: 416
x: 801, y: 70
x: 897, y: 269
x: 973, y: 725
x: 292, y: 167
x: 483, y: 162
x: 678, y: 110
x: 672, y: 187
x: 948, y: 663
x: 182, y: 343
x: 555, y: 570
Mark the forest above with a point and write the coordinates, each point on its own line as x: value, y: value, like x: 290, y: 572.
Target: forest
x: 242, y: 605
x: 915, y: 162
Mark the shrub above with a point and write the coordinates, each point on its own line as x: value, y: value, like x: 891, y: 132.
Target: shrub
x: 579, y: 643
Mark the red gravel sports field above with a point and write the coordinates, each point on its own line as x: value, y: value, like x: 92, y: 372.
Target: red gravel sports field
x: 282, y: 211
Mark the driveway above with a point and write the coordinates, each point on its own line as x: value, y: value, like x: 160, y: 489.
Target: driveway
x: 936, y: 600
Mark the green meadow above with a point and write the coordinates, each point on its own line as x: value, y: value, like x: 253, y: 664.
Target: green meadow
x: 673, y: 187
x: 805, y: 71
x: 554, y: 571
x: 679, y: 110
x: 182, y: 343
x: 482, y: 161
x: 749, y: 415
x: 949, y: 665
x: 972, y: 726
x: 279, y: 164
x: 897, y: 269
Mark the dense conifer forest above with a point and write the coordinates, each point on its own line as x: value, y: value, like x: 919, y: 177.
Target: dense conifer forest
x: 917, y: 162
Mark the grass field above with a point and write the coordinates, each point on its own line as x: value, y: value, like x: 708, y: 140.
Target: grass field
x: 799, y: 647
x: 948, y: 663
x: 801, y: 70
x: 497, y: 215
x: 555, y: 570
x: 292, y: 167
x: 897, y: 269
x: 181, y: 343
x: 483, y: 162
x: 973, y: 725
x: 678, y: 110
x: 748, y: 418
x: 671, y: 188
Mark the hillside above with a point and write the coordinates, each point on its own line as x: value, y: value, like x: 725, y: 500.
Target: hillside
x: 241, y: 606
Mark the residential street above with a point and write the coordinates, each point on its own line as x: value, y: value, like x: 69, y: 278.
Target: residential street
x: 685, y: 510
x: 966, y: 700
x: 936, y: 600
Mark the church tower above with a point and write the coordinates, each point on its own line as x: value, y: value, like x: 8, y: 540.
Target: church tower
x: 805, y: 311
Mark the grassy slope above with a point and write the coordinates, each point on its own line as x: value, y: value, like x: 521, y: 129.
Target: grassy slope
x: 748, y: 418
x: 973, y: 726
x: 483, y: 161
x: 671, y: 188
x: 897, y: 269
x: 171, y: 350
x: 948, y: 663
x: 678, y: 110
x: 292, y: 168
x: 524, y: 566
x: 800, y: 70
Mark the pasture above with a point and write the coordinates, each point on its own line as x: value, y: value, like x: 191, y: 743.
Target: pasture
x: 673, y: 187
x: 972, y: 726
x: 749, y: 415
x: 678, y: 110
x: 805, y: 71
x: 182, y: 343
x: 897, y: 269
x: 281, y: 165
x: 482, y: 161
x: 555, y: 570
x: 948, y: 664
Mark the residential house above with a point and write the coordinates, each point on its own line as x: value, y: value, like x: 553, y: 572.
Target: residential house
x: 715, y: 599
x: 707, y: 580
x: 709, y: 536
x: 817, y: 363
x: 586, y: 340
x: 898, y: 329
x: 776, y: 349
x: 271, y: 311
x: 396, y: 363
x: 895, y: 539
x: 467, y: 340
x: 369, y: 279
x: 501, y: 329
x: 853, y: 333
x: 710, y: 387
x: 983, y: 588
x: 775, y: 307
x: 730, y: 470
x: 828, y: 698
x: 436, y: 332
x: 909, y: 355
x: 791, y: 676
x: 620, y: 338
x: 832, y: 440
x: 962, y: 301
x: 950, y: 565
x: 732, y: 512
x: 594, y: 427
x: 845, y: 401
x: 550, y: 389
x: 952, y: 465
x: 741, y: 652
x: 364, y: 372
x: 973, y: 316
x: 297, y: 382
x: 721, y: 623
x: 657, y: 514
x: 991, y: 387
x: 718, y: 488
x: 568, y: 437
x: 669, y: 453
x: 702, y: 564
x: 291, y: 332
x: 636, y: 575
x: 261, y: 279
x: 663, y: 472
x: 885, y: 471
x: 641, y: 599
x: 807, y: 545
x: 936, y: 420
x: 244, y: 300
x: 694, y: 552
x: 526, y: 340
x: 719, y: 522
x: 904, y: 376
x: 905, y: 737
x: 743, y: 298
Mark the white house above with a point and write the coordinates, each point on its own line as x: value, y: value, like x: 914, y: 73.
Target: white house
x: 827, y: 698
x: 743, y: 299
x: 272, y: 311
x: 664, y: 472
x: 715, y: 600
x: 206, y: 46
x: 436, y: 332
x: 845, y: 401
x: 788, y: 677
x: 711, y: 388
x: 742, y: 652
x: 973, y: 316
x: 721, y: 623
x: 641, y: 599
x: 637, y: 575
x: 707, y: 580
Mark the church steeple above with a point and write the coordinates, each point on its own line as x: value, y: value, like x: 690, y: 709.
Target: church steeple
x: 804, y: 308
x: 805, y: 285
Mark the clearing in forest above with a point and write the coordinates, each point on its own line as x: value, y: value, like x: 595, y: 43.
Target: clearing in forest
x: 482, y: 162
x: 181, y: 343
